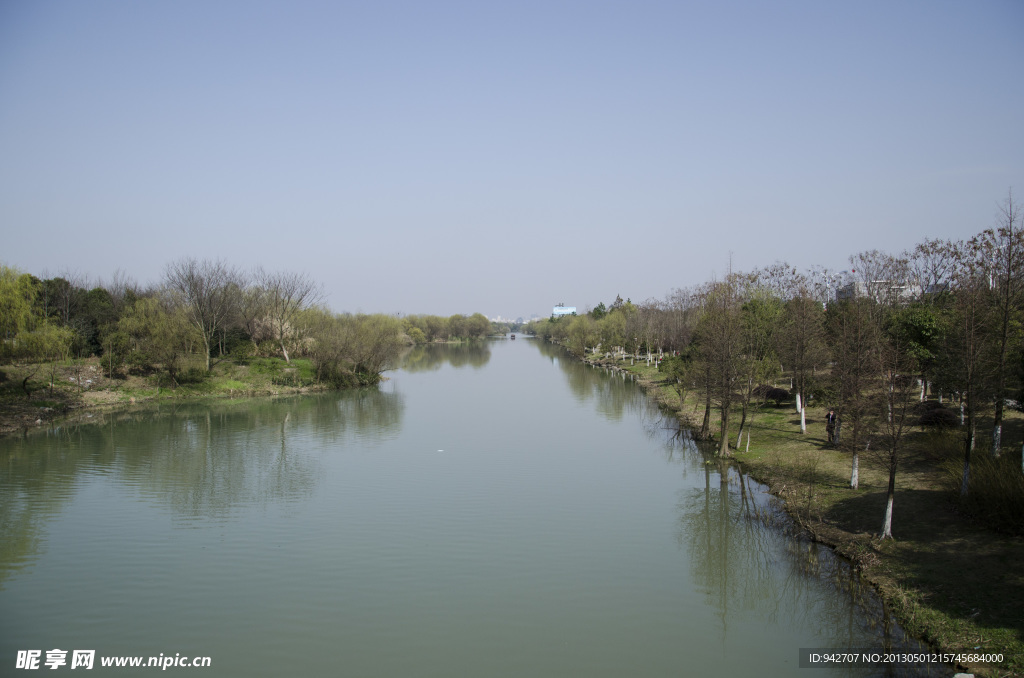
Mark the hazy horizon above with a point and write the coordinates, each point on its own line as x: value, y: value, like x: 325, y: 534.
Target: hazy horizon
x: 500, y: 157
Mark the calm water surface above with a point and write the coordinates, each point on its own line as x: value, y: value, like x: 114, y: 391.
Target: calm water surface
x: 491, y: 510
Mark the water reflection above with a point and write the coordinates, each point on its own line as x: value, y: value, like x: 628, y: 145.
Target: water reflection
x: 200, y: 460
x: 327, y: 526
x: 735, y: 534
x: 612, y: 393
x: 431, y: 357
x: 745, y: 557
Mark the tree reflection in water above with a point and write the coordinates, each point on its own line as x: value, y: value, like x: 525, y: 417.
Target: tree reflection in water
x: 431, y: 357
x: 748, y: 560
x: 746, y: 556
x: 199, y: 459
x: 612, y: 394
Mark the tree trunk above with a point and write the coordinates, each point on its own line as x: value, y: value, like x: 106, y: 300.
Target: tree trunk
x: 280, y: 337
x: 705, y: 427
x: 965, y: 481
x: 855, y: 471
x: 723, y: 447
x: 743, y: 425
x: 887, y: 522
x: 971, y: 435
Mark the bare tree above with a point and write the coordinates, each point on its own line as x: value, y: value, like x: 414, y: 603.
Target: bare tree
x: 931, y: 266
x: 1002, y: 250
x: 800, y: 340
x: 964, y: 363
x: 854, y: 337
x: 209, y: 291
x: 881, y: 276
x: 62, y: 294
x: 759, y: 318
x: 252, y: 309
x: 122, y: 289
x: 284, y: 295
x: 898, y: 365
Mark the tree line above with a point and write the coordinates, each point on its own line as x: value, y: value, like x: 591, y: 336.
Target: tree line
x: 200, y: 311
x: 423, y: 329
x: 932, y: 335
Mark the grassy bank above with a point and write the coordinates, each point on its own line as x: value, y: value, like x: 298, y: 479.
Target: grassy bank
x: 83, y: 383
x: 948, y: 576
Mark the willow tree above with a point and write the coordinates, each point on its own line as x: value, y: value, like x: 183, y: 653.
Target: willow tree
x: 17, y: 293
x: 160, y: 332
x: 349, y: 350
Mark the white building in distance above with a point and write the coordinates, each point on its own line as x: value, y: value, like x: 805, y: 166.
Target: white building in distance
x: 561, y: 310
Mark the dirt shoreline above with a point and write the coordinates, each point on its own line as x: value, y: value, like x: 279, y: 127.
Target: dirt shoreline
x: 21, y: 414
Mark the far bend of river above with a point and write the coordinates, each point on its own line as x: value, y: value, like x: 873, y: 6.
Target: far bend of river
x: 494, y: 509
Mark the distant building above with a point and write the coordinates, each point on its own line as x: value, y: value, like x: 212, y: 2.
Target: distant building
x: 879, y: 290
x: 561, y: 310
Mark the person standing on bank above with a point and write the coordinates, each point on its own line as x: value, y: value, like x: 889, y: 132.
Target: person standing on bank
x: 830, y: 426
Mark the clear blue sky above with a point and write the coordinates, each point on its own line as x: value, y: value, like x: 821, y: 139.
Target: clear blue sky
x: 452, y: 157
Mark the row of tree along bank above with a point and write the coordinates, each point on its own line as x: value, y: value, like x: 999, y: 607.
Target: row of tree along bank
x: 424, y: 329
x: 921, y: 357
x: 200, y: 319
x: 939, y: 325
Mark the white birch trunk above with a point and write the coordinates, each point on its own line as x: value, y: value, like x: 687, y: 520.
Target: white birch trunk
x: 887, y: 523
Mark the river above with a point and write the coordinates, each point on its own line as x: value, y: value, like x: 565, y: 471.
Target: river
x: 492, y: 509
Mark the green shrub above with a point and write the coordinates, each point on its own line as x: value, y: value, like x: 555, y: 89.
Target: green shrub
x: 139, y: 362
x: 288, y: 376
x: 243, y: 352
x: 192, y: 375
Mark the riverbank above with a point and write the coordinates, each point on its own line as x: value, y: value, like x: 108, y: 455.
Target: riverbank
x: 82, y: 385
x: 947, y: 578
